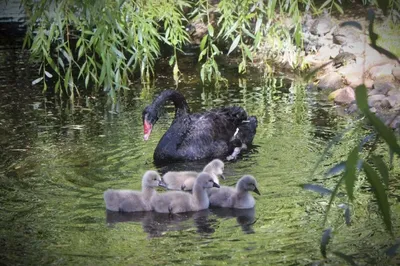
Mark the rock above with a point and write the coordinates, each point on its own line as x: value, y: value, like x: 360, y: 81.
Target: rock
x: 352, y: 108
x: 375, y: 100
x: 325, y: 53
x: 374, y: 58
x: 396, y: 73
x: 382, y: 72
x: 394, y: 123
x: 346, y: 34
x: 385, y: 104
x: 357, y: 48
x: 368, y: 83
x: 394, y: 100
x: 381, y: 88
x: 311, y: 43
x: 394, y: 91
x: 343, y: 59
x: 344, y: 95
x: 321, y: 25
x: 307, y: 21
x: 352, y: 74
x: 331, y: 81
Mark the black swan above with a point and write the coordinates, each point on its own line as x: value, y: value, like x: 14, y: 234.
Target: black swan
x: 211, y: 134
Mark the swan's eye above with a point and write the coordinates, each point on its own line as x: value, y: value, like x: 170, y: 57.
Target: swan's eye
x: 210, y: 180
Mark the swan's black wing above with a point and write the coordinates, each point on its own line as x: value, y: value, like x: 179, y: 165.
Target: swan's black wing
x: 198, y: 136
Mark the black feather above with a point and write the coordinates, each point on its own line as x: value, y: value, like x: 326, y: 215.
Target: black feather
x: 210, y: 134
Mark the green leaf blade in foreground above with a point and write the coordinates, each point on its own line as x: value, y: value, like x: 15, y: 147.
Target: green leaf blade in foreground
x: 380, y: 194
x: 382, y: 168
x: 234, y: 44
x: 362, y: 98
x: 335, y: 191
x: 350, y: 172
x: 385, y: 132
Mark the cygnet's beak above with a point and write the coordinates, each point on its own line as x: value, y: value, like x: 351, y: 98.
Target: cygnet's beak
x: 163, y: 184
x: 222, y: 176
x: 256, y: 191
x: 215, y: 185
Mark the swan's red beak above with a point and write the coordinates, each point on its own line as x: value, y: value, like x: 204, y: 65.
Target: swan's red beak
x: 147, y: 127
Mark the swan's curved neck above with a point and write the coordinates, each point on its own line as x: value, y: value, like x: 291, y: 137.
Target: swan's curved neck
x: 148, y: 192
x: 200, y: 194
x: 181, y: 106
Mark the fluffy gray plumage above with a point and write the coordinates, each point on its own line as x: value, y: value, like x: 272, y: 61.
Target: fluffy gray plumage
x: 134, y: 201
x: 179, y: 201
x: 238, y: 197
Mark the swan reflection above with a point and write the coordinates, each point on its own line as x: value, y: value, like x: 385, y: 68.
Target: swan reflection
x: 244, y: 217
x: 157, y: 224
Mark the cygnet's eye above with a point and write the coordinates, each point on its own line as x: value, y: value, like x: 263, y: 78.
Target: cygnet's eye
x: 210, y: 180
x: 155, y: 179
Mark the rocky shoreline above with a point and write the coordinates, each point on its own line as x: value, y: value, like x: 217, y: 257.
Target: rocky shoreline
x: 341, y: 54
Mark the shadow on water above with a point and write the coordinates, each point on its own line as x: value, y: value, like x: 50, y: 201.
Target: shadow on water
x: 157, y: 224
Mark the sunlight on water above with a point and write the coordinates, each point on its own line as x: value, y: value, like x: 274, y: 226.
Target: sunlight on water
x: 58, y: 159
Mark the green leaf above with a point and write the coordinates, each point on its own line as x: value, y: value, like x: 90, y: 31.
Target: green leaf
x: 242, y: 67
x: 203, y: 42
x: 248, y: 52
x: 391, y: 154
x: 202, y: 73
x: 331, y: 143
x: 257, y: 40
x: 339, y: 8
x: 203, y: 53
x: 60, y: 62
x: 87, y: 80
x: 36, y: 81
x: 81, y: 50
x: 66, y: 79
x: 117, y: 52
x: 210, y: 30
x: 326, y: 237
x: 350, y: 172
x: 215, y: 49
x: 258, y: 25
x: 382, y: 168
x: 234, y: 44
x: 380, y: 195
x: 66, y: 55
x: 327, y: 2
x: 57, y: 86
x: 171, y: 60
x: 385, y: 132
x: 362, y: 98
x: 231, y: 30
x: 297, y: 36
x: 48, y: 74
x: 248, y: 33
x: 334, y: 193
x: 82, y: 69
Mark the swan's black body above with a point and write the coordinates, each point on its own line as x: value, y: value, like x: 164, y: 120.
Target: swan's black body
x: 212, y: 134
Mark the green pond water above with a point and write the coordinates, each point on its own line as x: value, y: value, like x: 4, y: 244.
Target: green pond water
x: 58, y: 158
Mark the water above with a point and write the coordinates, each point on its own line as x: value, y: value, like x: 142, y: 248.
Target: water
x: 57, y: 159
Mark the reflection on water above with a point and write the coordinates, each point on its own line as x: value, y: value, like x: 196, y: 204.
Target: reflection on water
x: 156, y: 224
x: 57, y: 158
